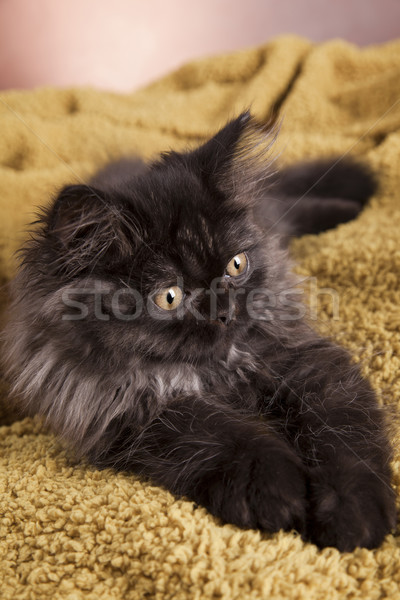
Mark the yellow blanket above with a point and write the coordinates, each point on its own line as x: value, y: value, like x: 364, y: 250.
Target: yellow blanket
x: 72, y: 532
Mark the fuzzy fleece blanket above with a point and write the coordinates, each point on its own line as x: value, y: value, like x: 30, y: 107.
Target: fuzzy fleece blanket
x: 68, y: 531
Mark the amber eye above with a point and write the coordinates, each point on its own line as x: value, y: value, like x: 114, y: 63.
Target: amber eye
x: 169, y: 298
x: 237, y: 265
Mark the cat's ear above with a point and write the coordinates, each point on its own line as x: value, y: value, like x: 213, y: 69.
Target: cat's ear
x: 238, y: 159
x: 85, y: 226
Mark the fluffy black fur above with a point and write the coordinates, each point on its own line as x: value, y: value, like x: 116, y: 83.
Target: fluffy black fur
x: 230, y: 399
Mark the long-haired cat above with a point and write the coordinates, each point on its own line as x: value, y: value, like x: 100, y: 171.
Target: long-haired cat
x: 154, y: 326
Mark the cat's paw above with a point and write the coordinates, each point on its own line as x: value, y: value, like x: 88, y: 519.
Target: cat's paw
x: 258, y: 487
x: 349, y: 509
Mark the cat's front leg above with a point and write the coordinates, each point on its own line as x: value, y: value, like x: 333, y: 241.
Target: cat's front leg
x: 233, y: 465
x: 351, y: 503
x: 336, y: 425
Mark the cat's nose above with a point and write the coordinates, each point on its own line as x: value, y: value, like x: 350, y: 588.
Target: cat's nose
x: 224, y: 317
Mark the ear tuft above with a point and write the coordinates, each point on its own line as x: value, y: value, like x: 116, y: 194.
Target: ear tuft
x: 238, y: 159
x: 253, y: 149
x: 75, y: 208
x: 86, y: 226
x: 251, y: 164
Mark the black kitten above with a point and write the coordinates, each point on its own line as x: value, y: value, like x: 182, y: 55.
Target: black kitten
x: 153, y: 324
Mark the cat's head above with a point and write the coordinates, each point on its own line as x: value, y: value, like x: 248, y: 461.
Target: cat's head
x: 169, y: 265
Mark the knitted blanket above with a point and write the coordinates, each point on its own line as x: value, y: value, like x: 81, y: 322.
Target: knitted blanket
x: 69, y: 531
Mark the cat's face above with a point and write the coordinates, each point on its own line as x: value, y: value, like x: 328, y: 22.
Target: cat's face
x: 170, y: 266
x: 193, y: 267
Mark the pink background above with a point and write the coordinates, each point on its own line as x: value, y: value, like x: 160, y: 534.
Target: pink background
x: 123, y: 44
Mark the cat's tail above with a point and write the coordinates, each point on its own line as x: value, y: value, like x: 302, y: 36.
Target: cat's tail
x: 319, y: 195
